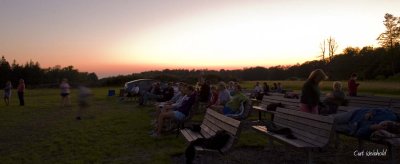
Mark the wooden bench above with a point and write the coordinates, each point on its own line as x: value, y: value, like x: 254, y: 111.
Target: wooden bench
x: 295, y: 104
x: 312, y: 132
x: 213, y: 122
x: 369, y: 101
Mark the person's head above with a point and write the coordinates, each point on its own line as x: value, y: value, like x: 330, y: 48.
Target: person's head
x: 257, y: 83
x: 237, y: 89
x: 275, y: 84
x: 353, y: 76
x: 189, y: 89
x: 65, y: 80
x: 393, y: 127
x: 221, y: 86
x: 317, y: 76
x: 231, y: 83
x: 279, y: 84
x: 182, y: 87
x: 265, y: 83
x: 337, y: 86
x: 21, y: 81
x: 213, y: 88
x: 8, y: 82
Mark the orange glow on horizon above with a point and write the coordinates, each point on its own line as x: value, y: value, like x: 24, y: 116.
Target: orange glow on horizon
x: 122, y: 37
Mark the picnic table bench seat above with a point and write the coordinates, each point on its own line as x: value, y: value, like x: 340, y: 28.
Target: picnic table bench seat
x: 212, y: 123
x: 312, y: 132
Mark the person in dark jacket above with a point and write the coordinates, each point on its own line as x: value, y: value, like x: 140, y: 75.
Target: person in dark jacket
x: 310, y: 93
x: 353, y: 85
x: 265, y: 88
x: 168, y: 92
x: 21, y: 91
x: 204, y: 95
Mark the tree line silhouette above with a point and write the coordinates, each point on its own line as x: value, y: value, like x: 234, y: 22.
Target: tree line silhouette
x: 370, y: 63
x: 35, y: 76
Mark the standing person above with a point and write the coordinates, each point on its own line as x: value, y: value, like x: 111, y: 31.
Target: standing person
x: 83, y: 100
x: 21, y: 90
x: 7, y: 92
x: 65, y: 91
x: 353, y: 85
x: 310, y: 93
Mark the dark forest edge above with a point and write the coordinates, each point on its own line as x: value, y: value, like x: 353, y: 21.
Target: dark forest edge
x: 370, y: 63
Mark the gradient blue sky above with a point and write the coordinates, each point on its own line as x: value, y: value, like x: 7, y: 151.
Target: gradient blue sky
x: 125, y: 36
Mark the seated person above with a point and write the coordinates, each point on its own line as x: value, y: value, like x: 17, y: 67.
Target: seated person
x: 214, y: 97
x: 179, y: 113
x: 362, y: 122
x: 279, y: 88
x: 174, y: 103
x: 266, y: 88
x: 204, y: 93
x: 168, y: 93
x: 153, y: 93
x: 134, y: 91
x: 258, y: 91
x: 334, y: 99
x: 224, y: 94
x: 233, y: 106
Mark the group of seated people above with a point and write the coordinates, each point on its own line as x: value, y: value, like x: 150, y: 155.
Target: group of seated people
x: 157, y: 93
x: 259, y: 91
x: 179, y: 106
x: 362, y: 122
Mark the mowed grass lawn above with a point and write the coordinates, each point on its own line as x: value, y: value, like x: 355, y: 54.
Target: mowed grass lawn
x: 112, y: 132
x: 380, y: 88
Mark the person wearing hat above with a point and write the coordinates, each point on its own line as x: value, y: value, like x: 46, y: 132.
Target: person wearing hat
x: 310, y: 93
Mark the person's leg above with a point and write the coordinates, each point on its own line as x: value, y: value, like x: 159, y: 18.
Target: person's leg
x: 145, y: 98
x: 62, y: 100
x: 314, y: 110
x: 79, y: 113
x: 342, y: 121
x: 304, y: 108
x: 6, y: 100
x: 20, y: 98
x: 68, y: 100
x: 161, y: 118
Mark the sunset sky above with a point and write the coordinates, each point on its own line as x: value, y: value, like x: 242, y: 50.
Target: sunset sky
x: 113, y: 37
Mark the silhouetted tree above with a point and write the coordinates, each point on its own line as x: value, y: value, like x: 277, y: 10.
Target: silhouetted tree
x: 332, y: 47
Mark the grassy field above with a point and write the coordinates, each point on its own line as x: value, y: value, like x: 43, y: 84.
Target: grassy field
x: 111, y: 132
x: 380, y: 88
